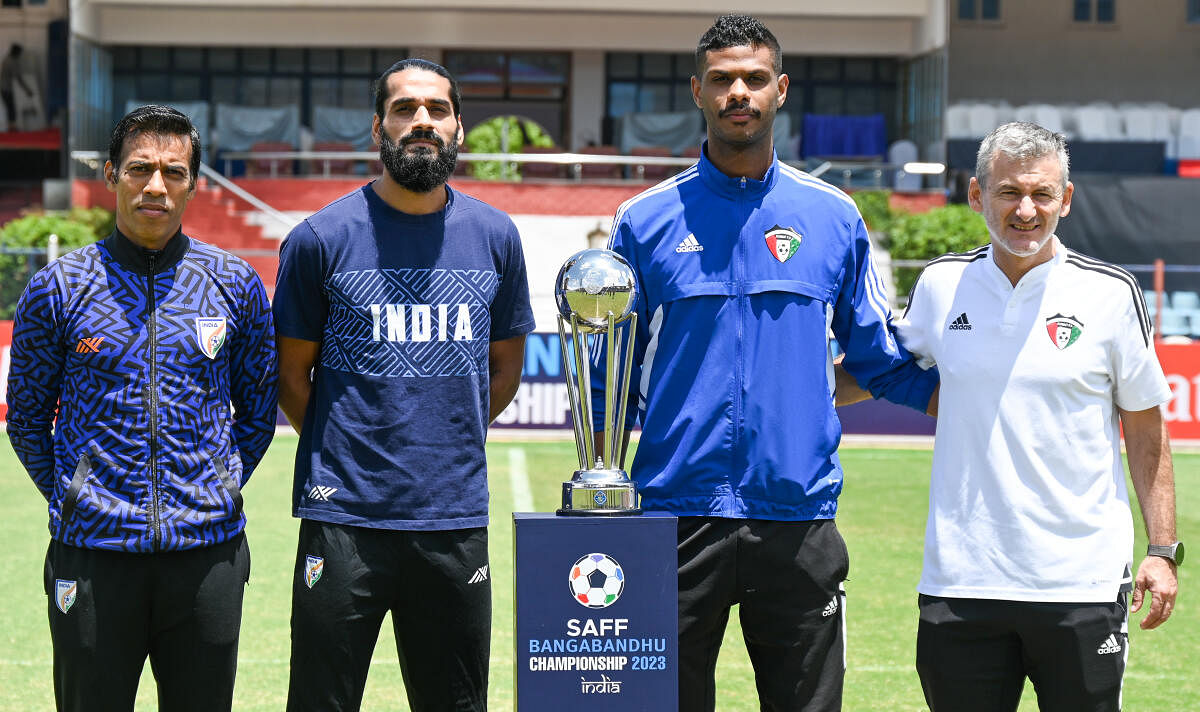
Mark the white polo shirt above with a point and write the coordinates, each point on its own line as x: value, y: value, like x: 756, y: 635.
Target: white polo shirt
x: 1028, y: 500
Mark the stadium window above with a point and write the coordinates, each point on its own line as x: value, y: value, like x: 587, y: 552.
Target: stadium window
x: 1101, y: 11
x: 979, y: 9
x: 648, y: 82
x: 254, y: 76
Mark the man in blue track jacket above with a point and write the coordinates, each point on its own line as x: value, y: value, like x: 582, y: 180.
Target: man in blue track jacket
x: 744, y: 265
x: 141, y: 395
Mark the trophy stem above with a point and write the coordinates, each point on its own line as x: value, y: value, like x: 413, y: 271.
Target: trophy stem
x: 630, y: 334
x: 572, y: 395
x: 610, y: 396
x: 583, y: 371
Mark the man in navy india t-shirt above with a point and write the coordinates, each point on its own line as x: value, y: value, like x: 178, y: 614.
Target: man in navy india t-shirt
x: 402, y: 310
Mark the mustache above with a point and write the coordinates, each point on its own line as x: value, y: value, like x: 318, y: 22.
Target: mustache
x: 419, y: 135
x: 739, y: 108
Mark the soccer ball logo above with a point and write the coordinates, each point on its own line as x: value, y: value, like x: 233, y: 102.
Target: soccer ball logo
x: 596, y: 581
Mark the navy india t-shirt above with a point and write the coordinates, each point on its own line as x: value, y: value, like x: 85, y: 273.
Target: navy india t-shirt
x: 404, y: 307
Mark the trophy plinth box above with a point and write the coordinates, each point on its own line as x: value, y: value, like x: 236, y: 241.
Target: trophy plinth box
x: 596, y: 613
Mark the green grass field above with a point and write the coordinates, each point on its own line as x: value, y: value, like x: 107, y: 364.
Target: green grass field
x: 882, y: 518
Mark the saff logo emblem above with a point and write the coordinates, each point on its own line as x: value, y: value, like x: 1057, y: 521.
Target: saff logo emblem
x: 314, y: 566
x: 64, y: 594
x: 782, y: 242
x: 1063, y: 330
x: 210, y: 332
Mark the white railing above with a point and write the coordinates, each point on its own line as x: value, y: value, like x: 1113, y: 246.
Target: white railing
x: 95, y: 160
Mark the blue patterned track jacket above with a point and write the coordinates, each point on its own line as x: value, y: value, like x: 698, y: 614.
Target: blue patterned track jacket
x: 161, y: 369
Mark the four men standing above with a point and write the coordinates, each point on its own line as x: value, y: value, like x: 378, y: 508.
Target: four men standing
x: 401, y: 311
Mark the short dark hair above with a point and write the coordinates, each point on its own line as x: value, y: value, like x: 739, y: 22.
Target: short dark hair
x: 416, y: 63
x: 737, y: 30
x: 159, y: 120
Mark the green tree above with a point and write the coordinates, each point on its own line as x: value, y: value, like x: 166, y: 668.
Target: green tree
x: 503, y: 134
x: 75, y: 228
x: 923, y: 236
x: 874, y: 207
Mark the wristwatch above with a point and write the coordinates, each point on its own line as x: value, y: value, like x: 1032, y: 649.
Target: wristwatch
x: 1170, y: 552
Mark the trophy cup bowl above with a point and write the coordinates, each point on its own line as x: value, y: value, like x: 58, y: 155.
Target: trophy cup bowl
x: 596, y: 291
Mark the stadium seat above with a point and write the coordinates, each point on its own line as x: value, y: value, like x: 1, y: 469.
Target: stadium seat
x: 899, y: 153
x: 600, y: 170
x: 1185, y: 301
x: 1175, y: 323
x: 1189, y: 134
x: 1098, y: 122
x: 336, y: 167
x: 1152, y: 300
x: 958, y: 121
x: 543, y: 170
x: 1047, y: 116
x: 982, y: 119
x: 1149, y: 122
x: 263, y: 166
x: 651, y: 173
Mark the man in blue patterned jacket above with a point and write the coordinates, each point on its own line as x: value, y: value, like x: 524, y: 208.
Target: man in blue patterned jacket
x: 156, y: 354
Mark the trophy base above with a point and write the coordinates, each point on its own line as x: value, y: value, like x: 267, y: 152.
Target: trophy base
x: 596, y: 499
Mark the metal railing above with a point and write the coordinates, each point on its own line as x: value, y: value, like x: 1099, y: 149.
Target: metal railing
x: 575, y: 161
x: 95, y: 160
x: 865, y: 174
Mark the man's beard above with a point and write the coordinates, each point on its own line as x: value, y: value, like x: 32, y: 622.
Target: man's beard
x: 423, y: 170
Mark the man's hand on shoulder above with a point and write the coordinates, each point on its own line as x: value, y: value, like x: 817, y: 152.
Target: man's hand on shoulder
x: 1157, y: 577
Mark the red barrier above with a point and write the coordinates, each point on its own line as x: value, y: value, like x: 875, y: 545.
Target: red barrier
x: 1181, y: 363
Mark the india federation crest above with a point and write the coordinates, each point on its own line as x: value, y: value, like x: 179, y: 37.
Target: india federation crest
x: 64, y: 594
x: 1063, y: 330
x: 210, y: 332
x: 314, y: 566
x: 782, y: 242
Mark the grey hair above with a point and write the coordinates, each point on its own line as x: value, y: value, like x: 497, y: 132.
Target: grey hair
x: 1021, y: 140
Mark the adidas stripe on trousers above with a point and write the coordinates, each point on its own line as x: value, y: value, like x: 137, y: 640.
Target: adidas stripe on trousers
x: 974, y: 654
x: 786, y: 578
x: 437, y: 586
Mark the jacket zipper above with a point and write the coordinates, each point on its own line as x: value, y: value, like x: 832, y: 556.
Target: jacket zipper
x: 738, y: 356
x: 152, y: 408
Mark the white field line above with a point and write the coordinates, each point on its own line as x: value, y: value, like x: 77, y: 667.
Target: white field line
x: 518, y: 478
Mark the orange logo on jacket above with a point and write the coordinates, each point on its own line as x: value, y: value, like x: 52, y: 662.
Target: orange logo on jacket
x: 89, y: 346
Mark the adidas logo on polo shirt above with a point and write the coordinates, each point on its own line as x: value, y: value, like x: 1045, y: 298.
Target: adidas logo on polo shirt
x: 1109, y: 646
x: 961, y: 323
x: 690, y: 244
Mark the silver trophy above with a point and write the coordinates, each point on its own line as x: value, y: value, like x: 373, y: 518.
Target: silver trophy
x: 596, y: 291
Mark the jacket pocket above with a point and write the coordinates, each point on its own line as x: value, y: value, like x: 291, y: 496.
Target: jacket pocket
x: 82, y: 468
x: 235, y: 492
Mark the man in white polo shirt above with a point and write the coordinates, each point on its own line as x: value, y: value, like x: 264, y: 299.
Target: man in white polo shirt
x: 1043, y: 354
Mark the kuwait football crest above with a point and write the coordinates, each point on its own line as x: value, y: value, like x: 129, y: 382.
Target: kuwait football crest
x: 1063, y: 330
x: 314, y: 566
x: 783, y: 242
x: 64, y: 594
x: 210, y: 332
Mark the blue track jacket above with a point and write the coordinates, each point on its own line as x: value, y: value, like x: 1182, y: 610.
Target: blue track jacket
x: 161, y: 369
x: 741, y: 281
